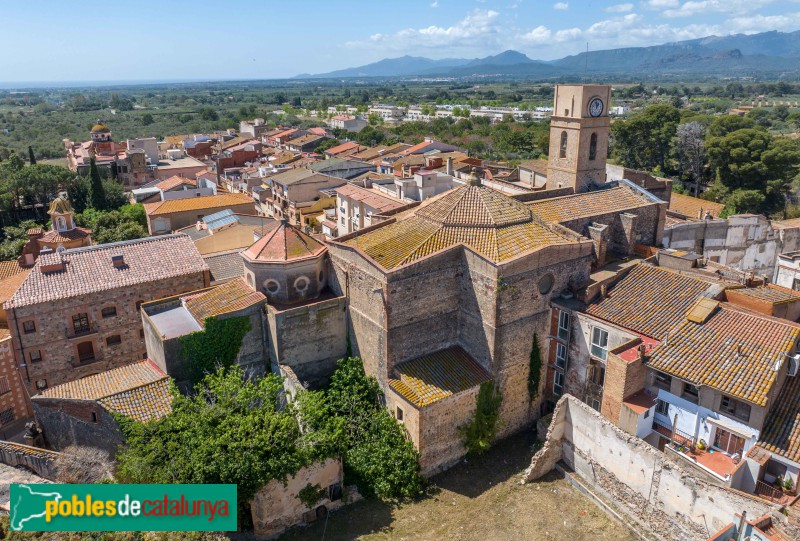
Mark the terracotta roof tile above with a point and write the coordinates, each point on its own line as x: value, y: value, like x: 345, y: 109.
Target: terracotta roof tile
x: 369, y: 197
x: 570, y: 207
x: 732, y: 351
x: 9, y: 268
x: 284, y: 243
x: 173, y: 182
x: 494, y: 225
x: 90, y: 269
x: 146, y: 403
x: 107, y: 383
x: 781, y: 434
x: 693, y: 207
x: 224, y: 266
x: 229, y: 297
x: 430, y: 378
x: 649, y: 300
x: 350, y: 146
x: 197, y: 203
x: 77, y: 233
x: 771, y: 293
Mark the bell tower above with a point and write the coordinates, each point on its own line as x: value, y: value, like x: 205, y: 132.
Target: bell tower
x: 579, y: 137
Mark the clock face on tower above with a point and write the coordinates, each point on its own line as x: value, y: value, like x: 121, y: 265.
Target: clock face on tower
x: 595, y: 107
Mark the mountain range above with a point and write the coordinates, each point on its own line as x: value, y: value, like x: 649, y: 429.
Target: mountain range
x: 774, y: 54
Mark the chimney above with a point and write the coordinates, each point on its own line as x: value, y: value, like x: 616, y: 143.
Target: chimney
x: 603, y: 291
x: 700, y: 213
x: 641, y: 351
x: 118, y: 261
x: 449, y: 169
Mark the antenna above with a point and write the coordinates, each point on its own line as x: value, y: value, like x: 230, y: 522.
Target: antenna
x: 586, y: 63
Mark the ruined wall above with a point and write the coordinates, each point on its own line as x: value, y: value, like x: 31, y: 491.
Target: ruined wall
x: 642, y: 225
x: 653, y: 491
x: 308, y: 338
x: 40, y: 461
x: 76, y: 422
x: 276, y: 507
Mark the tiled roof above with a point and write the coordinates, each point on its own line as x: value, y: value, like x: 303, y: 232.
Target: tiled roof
x: 306, y: 139
x: 197, y: 203
x: 284, y: 243
x: 9, y: 268
x: 344, y: 147
x: 10, y: 285
x: 537, y: 166
x: 292, y: 176
x: 732, y: 351
x: 430, y: 378
x: 77, y: 233
x: 781, y: 434
x: 369, y: 197
x: 691, y: 207
x: 490, y: 223
x: 337, y: 163
x: 225, y: 266
x: 146, y: 403
x: 570, y: 207
x: 229, y: 297
x: 649, y: 300
x: 90, y: 269
x: 107, y: 383
x: 173, y: 182
x: 771, y: 293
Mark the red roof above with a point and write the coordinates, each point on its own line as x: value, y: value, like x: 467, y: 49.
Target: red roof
x: 344, y: 147
x: 284, y: 243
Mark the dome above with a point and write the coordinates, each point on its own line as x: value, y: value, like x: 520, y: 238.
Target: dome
x: 60, y: 205
x: 475, y: 206
x: 100, y: 128
x: 283, y: 244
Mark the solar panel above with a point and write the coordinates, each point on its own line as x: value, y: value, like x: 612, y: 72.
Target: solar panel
x: 222, y: 222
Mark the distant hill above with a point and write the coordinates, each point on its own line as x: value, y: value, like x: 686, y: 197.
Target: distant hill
x: 766, y: 54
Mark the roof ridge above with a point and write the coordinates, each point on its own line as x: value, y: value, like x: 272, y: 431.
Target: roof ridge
x: 129, y: 389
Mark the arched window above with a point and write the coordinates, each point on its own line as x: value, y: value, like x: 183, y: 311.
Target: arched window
x: 563, y: 152
x: 593, y: 146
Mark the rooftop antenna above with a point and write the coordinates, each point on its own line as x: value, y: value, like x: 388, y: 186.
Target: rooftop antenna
x: 586, y: 63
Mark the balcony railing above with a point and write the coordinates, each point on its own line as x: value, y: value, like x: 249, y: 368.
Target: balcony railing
x: 71, y: 332
x: 769, y: 492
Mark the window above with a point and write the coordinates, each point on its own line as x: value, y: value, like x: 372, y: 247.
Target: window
x: 646, y: 414
x: 558, y: 384
x: 562, y: 153
x: 691, y: 392
x: 599, y: 343
x: 114, y: 340
x: 86, y: 352
x: 7, y: 416
x: 561, y: 355
x: 662, y: 408
x: 4, y: 386
x: 729, y: 442
x: 563, y: 325
x: 29, y: 327
x: 663, y: 381
x: 94, y: 417
x: 734, y: 407
x: 272, y: 286
x: 301, y: 284
x: 593, y: 146
x: 80, y: 323
x: 595, y: 404
x: 109, y: 311
x: 41, y: 384
x: 35, y: 356
x: 399, y: 414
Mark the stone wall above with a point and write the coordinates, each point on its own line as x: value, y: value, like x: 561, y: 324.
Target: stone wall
x: 13, y: 394
x: 40, y: 461
x: 66, y: 422
x: 55, y: 339
x: 652, y: 491
x: 276, y: 507
x: 309, y: 338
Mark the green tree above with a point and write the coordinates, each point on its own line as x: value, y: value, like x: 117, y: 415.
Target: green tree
x: 147, y: 119
x: 644, y: 141
x: 31, y: 157
x: 97, y: 194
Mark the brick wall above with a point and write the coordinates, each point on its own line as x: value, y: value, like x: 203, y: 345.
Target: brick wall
x: 54, y: 335
x: 623, y: 378
x: 13, y: 395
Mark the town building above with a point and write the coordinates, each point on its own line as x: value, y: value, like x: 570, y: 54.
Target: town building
x: 77, y: 311
x: 173, y: 214
x: 130, y: 165
x: 253, y: 128
x: 358, y: 208
x: 349, y: 123
x: 82, y: 412
x: 178, y: 163
x: 64, y: 234
x: 176, y: 187
x: 344, y: 150
x: 298, y: 193
x: 15, y: 406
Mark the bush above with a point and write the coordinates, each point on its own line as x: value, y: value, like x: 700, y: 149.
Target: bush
x: 82, y: 465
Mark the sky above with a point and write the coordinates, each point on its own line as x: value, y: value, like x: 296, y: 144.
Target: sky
x: 263, y: 39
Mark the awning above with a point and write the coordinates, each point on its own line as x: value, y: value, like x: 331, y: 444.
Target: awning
x: 732, y: 426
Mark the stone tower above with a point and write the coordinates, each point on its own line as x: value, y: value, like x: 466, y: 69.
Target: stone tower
x: 579, y: 137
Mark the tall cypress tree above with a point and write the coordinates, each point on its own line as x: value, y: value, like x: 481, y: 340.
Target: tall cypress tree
x: 97, y: 194
x: 31, y: 157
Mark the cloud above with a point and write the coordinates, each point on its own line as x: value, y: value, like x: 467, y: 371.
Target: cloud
x: 540, y: 34
x: 477, y: 30
x: 753, y: 24
x: 561, y: 5
x: 706, y: 7
x: 568, y: 34
x: 619, y: 8
x: 661, y: 4
x: 435, y: 4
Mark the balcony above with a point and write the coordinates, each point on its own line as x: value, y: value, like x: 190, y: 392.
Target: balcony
x: 71, y: 332
x: 772, y: 493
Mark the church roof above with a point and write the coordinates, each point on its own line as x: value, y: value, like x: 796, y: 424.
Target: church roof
x: 490, y: 223
x: 229, y: 297
x: 54, y: 236
x: 284, y: 243
x: 583, y: 205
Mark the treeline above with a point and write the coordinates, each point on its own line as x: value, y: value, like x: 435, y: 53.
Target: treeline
x: 729, y: 159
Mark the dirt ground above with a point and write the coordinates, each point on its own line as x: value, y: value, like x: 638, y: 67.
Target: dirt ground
x: 480, y: 499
